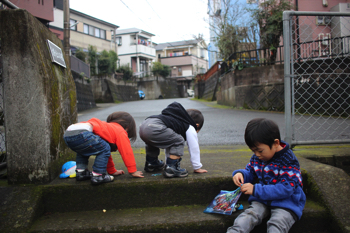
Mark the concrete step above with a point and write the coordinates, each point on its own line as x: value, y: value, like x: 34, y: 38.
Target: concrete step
x: 186, y: 218
x: 21, y: 206
x: 152, y: 204
x: 126, y: 192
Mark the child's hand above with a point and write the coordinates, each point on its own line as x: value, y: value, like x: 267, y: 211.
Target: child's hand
x: 200, y: 170
x: 247, y: 188
x: 238, y: 179
x: 137, y: 174
x: 118, y: 172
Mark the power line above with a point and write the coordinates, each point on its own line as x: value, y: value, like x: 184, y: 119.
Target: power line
x: 153, y: 9
x: 134, y: 13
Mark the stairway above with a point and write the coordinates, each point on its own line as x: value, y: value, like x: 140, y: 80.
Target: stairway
x: 152, y: 204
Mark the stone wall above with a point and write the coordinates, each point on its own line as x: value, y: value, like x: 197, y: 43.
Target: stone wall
x: 109, y: 89
x: 167, y: 88
x: 260, y: 88
x: 150, y: 88
x: 85, y: 97
x: 122, y: 93
x: 207, y: 89
x: 322, y: 87
x: 39, y: 100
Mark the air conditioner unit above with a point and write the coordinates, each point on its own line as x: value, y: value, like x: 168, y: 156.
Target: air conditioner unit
x: 323, y: 20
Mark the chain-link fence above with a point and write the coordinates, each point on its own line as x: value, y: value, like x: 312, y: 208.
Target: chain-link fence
x: 317, y: 77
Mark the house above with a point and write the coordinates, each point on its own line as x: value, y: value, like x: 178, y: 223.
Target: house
x: 186, y: 58
x: 136, y: 49
x: 42, y: 10
x: 85, y: 30
x: 324, y: 29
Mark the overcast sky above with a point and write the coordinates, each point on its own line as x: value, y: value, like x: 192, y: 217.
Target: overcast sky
x: 168, y: 20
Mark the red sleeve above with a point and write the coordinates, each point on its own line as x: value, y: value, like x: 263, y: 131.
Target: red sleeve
x: 125, y: 150
x: 110, y: 166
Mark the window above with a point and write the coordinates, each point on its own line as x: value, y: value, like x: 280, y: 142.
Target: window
x: 91, y: 30
x: 86, y: 29
x: 103, y: 34
x: 97, y: 32
x: 118, y: 40
x: 202, y: 51
x: 73, y: 24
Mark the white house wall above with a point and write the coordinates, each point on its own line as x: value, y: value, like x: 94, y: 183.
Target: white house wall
x: 58, y: 18
x: 128, y: 49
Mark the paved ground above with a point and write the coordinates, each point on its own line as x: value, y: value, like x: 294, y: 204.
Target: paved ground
x: 222, y: 125
x: 333, y: 184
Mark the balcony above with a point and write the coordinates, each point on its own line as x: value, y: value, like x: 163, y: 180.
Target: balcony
x: 140, y: 49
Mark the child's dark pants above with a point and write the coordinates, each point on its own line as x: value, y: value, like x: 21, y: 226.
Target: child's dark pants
x: 85, y: 144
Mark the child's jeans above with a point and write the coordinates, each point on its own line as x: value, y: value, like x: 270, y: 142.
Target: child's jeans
x: 281, y: 220
x: 85, y: 144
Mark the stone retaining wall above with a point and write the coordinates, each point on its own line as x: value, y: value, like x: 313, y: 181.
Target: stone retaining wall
x: 39, y: 100
x: 260, y: 88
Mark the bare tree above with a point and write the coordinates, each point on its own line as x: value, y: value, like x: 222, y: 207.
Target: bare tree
x: 269, y: 17
x: 233, y: 29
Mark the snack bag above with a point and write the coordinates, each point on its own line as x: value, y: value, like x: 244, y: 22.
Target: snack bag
x: 224, y: 202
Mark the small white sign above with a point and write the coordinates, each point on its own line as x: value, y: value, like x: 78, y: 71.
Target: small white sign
x: 56, y: 54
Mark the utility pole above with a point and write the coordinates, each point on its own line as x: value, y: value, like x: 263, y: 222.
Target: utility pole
x: 66, y: 31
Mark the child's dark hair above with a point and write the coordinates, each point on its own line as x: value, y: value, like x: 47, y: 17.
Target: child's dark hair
x: 197, y: 117
x: 261, y: 130
x: 126, y: 121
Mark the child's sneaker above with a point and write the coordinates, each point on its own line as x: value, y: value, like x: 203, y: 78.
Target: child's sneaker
x: 84, y: 175
x: 100, y: 179
x: 154, y: 166
x: 174, y: 170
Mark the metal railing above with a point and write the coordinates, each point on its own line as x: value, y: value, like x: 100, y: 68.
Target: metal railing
x: 315, y: 49
x: 257, y: 57
x: 8, y: 4
x: 317, y: 100
x: 79, y: 66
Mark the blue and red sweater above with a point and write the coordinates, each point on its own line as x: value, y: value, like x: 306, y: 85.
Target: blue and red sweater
x: 278, y: 182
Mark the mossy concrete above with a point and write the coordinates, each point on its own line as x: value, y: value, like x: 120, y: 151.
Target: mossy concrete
x: 39, y: 100
x: 187, y: 218
x: 326, y: 187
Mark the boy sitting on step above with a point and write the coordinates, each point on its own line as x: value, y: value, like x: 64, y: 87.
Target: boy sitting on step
x: 278, y: 183
x: 169, y: 130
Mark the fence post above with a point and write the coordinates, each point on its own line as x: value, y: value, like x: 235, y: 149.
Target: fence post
x: 287, y: 77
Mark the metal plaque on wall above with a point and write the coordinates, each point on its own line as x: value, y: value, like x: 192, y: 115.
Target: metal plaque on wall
x: 56, y: 54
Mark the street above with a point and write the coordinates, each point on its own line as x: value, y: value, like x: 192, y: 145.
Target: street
x: 221, y: 126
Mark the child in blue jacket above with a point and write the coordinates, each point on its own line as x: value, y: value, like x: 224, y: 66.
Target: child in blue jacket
x: 272, y: 178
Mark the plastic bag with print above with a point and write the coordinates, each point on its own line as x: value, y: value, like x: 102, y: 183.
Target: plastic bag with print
x: 224, y: 202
